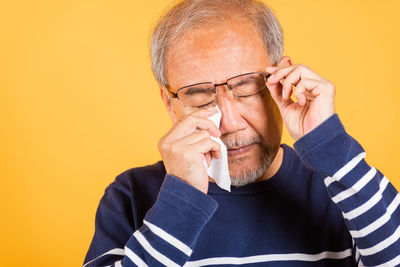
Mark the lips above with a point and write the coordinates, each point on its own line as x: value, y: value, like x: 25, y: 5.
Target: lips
x: 237, y: 151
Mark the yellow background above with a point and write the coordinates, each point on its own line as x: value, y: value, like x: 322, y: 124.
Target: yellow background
x: 79, y: 105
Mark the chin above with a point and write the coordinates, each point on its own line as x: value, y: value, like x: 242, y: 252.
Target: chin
x: 250, y: 169
x: 243, y: 176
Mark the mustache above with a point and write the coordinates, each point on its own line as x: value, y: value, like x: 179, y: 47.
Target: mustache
x: 232, y: 141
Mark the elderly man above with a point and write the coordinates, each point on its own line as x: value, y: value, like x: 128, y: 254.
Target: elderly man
x: 317, y: 205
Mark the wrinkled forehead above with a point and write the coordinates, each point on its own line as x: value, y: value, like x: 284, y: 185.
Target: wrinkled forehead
x: 215, y: 53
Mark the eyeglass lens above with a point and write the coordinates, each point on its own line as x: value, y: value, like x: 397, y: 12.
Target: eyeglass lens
x: 203, y: 94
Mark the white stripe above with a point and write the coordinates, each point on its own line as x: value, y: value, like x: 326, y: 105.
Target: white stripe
x: 381, y: 245
x: 169, y: 238
x: 356, y: 187
x: 114, y: 251
x: 357, y: 252
x: 379, y: 222
x: 153, y: 252
x: 118, y: 264
x: 391, y: 263
x: 328, y: 180
x: 271, y: 257
x: 358, y: 257
x: 370, y: 203
x: 134, y: 258
x: 345, y: 169
x: 349, y: 166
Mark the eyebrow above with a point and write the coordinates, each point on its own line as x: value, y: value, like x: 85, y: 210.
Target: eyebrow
x: 195, y: 89
x: 244, y: 81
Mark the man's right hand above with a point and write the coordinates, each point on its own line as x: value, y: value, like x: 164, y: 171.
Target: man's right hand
x: 184, y: 147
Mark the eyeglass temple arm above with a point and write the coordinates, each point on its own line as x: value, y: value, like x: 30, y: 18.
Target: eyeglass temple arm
x: 170, y: 93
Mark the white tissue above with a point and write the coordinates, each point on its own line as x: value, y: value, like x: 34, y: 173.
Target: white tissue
x: 218, y: 169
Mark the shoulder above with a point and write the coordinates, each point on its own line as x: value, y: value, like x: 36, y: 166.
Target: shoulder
x: 319, y: 217
x: 145, y: 178
x: 134, y: 192
x: 308, y: 186
x: 301, y: 174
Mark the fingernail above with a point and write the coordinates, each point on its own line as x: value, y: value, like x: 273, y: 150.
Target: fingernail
x: 283, y: 94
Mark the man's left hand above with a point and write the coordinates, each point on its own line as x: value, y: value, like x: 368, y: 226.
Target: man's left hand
x: 315, y: 98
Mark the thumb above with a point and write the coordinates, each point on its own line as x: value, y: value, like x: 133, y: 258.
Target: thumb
x: 208, y: 158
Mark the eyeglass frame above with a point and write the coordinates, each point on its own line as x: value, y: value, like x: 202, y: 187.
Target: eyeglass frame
x: 175, y: 95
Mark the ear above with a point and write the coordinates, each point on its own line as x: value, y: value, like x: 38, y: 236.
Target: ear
x: 167, y: 103
x: 285, y: 62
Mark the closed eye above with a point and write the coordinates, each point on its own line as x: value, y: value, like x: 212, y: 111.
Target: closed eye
x: 244, y: 96
x: 206, y: 105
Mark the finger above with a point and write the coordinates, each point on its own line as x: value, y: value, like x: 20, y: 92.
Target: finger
x: 204, y: 112
x: 216, y: 154
x: 307, y: 90
x: 210, y: 155
x: 292, y: 79
x: 204, y: 146
x: 201, y: 113
x: 274, y: 89
x: 283, y: 72
x: 208, y: 158
x: 194, y: 137
x: 189, y: 124
x: 276, y: 93
x: 272, y: 69
x: 279, y: 73
x: 184, y: 144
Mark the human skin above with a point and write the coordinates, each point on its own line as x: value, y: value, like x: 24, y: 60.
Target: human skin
x: 216, y: 53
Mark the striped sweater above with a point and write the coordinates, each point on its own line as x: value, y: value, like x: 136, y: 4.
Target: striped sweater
x: 324, y: 207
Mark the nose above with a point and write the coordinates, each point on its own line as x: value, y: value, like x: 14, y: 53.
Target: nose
x: 231, y: 116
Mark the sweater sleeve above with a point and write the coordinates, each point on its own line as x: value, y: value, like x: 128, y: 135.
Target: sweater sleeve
x: 169, y: 232
x: 368, y: 201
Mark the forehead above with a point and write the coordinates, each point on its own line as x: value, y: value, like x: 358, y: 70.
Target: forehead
x: 216, y: 53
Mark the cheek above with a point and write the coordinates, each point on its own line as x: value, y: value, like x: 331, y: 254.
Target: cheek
x: 175, y: 111
x: 179, y: 110
x: 265, y: 118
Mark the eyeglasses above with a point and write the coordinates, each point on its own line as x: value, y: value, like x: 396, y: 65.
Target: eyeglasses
x: 201, y: 95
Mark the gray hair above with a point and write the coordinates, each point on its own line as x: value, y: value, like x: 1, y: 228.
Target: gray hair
x: 188, y: 15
